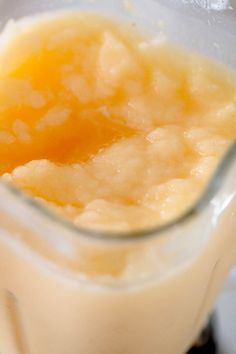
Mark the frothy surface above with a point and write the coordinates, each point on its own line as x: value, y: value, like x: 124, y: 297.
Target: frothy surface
x: 113, y: 130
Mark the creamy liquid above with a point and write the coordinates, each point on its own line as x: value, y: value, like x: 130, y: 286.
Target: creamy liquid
x: 113, y: 131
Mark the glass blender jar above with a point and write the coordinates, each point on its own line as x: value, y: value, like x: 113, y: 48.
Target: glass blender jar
x: 59, y: 293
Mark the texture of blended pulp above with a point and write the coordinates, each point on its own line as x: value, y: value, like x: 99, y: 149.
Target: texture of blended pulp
x: 115, y: 130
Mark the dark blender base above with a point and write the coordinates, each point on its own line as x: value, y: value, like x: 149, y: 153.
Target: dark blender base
x: 206, y: 343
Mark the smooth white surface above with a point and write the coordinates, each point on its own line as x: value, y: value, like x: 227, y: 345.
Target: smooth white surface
x: 226, y: 317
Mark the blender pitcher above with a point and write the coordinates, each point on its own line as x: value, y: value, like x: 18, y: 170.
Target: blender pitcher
x: 61, y: 289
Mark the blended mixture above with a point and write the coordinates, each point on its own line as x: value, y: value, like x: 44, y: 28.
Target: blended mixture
x: 114, y: 130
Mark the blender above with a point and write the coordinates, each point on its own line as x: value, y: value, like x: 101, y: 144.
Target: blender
x: 50, y: 301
